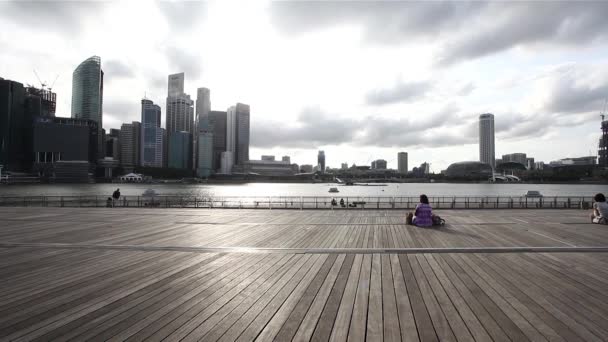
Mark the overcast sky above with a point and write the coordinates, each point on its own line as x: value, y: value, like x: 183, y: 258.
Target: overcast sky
x: 360, y: 80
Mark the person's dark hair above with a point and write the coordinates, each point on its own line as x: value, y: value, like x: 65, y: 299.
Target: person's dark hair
x: 424, y: 199
x: 599, y: 198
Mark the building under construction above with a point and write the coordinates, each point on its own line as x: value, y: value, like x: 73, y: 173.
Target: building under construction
x: 48, y: 100
x: 603, y: 151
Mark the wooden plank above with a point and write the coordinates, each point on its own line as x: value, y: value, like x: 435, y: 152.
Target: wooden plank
x: 358, y: 321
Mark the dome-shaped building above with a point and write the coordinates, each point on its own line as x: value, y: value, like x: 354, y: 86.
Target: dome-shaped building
x: 469, y: 170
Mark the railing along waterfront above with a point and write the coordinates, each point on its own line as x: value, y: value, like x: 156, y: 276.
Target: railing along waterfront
x: 302, y: 202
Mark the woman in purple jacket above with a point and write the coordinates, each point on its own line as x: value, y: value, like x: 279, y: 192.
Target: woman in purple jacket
x: 423, y: 214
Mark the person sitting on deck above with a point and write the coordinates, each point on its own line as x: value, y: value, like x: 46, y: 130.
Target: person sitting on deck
x: 600, y: 209
x: 423, y: 215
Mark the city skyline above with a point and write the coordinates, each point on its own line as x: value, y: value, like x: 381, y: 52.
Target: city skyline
x: 545, y: 85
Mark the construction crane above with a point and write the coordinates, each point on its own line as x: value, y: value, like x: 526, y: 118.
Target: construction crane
x: 43, y: 85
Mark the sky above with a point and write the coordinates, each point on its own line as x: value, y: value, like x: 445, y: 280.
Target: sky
x: 359, y: 80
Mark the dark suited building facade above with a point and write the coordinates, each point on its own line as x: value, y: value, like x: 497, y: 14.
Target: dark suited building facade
x: 217, y: 123
x: 72, y: 157
x: 19, y: 106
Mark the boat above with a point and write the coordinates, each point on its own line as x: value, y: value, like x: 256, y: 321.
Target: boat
x: 533, y: 194
x: 149, y: 193
x: 333, y: 190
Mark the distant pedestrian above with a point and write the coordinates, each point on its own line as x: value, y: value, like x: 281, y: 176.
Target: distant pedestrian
x: 600, y: 209
x: 116, y: 195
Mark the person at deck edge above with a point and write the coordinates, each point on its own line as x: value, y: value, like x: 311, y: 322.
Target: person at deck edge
x: 423, y: 214
x: 600, y: 209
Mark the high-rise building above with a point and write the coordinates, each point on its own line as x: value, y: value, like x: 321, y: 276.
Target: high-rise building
x: 152, y: 136
x: 217, y: 123
x: 227, y: 162
x: 112, y: 142
x: 180, y: 108
x: 286, y: 159
x: 402, y: 162
x: 237, y: 132
x: 379, y: 164
x: 344, y: 166
x: 48, y: 100
x: 180, y: 150
x: 203, y: 107
x: 15, y: 127
x: 130, y: 145
x: 321, y: 161
x: 204, y: 167
x: 87, y: 94
x: 486, y: 139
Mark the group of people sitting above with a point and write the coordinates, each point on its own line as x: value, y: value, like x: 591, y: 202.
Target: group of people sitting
x: 423, y: 215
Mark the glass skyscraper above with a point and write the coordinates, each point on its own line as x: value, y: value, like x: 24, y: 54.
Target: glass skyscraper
x: 153, y: 137
x: 486, y: 139
x: 87, y: 93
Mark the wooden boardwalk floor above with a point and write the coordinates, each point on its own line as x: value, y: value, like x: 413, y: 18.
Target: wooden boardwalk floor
x: 60, y: 278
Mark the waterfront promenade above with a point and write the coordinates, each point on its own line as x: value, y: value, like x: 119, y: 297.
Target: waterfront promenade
x: 212, y: 274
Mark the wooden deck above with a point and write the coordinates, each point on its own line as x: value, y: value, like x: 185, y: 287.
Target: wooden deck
x: 228, y: 275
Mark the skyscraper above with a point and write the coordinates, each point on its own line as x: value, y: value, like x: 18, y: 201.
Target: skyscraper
x: 217, y: 123
x: 205, y: 148
x: 486, y: 139
x: 180, y: 150
x: 130, y: 145
x: 286, y: 159
x: 152, y: 136
x: 87, y: 93
x: 237, y: 132
x: 180, y: 108
x: 203, y: 107
x: 402, y: 162
x: 321, y: 161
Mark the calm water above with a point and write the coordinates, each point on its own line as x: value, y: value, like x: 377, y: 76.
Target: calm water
x: 299, y: 189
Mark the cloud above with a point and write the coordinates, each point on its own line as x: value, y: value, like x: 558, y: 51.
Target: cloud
x: 384, y: 21
x: 67, y: 17
x: 399, y: 93
x: 466, y: 89
x: 183, y: 60
x: 464, y: 30
x: 116, y: 69
x: 183, y: 15
x: 121, y: 111
x: 315, y: 128
x: 577, y: 91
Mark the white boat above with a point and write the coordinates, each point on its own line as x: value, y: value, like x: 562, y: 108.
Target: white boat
x: 333, y: 190
x: 533, y: 193
x: 149, y: 193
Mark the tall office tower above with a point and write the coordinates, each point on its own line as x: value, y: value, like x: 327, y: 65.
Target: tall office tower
x: 217, y: 123
x: 402, y: 162
x: 180, y: 108
x: 486, y: 139
x: 152, y: 136
x: 321, y: 161
x: 130, y: 145
x: 344, y: 166
x: 286, y: 159
x: 180, y: 150
x: 87, y: 94
x: 205, y: 167
x: 203, y: 107
x: 18, y: 110
x: 237, y: 132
